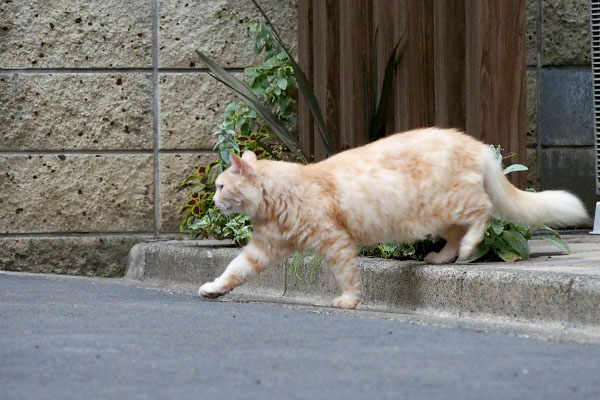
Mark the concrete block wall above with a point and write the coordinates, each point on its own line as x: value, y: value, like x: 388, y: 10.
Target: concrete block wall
x: 560, y: 104
x: 104, y: 109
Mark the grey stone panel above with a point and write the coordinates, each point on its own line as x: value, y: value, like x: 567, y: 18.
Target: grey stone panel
x: 532, y: 30
x: 174, y: 168
x: 532, y: 117
x: 93, y: 256
x: 565, y: 32
x: 566, y: 107
x: 219, y: 29
x: 191, y: 107
x: 570, y: 169
x: 76, y: 111
x: 76, y: 193
x: 532, y: 173
x: 75, y: 34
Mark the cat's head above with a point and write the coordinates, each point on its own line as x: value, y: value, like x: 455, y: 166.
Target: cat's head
x: 236, y: 188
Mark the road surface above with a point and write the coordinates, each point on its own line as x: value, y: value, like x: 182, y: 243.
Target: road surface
x: 65, y: 338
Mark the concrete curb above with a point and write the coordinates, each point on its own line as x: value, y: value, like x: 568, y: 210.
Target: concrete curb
x: 562, y: 290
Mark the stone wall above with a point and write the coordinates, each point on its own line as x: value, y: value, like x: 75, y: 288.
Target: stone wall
x: 560, y: 104
x: 104, y: 109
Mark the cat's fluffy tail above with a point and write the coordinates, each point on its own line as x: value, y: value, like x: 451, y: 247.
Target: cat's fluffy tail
x: 550, y: 207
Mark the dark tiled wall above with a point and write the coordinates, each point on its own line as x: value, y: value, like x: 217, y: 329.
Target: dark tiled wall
x: 561, y: 134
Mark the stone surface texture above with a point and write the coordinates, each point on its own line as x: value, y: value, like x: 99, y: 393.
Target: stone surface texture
x: 174, y: 168
x: 93, y: 256
x: 532, y: 163
x: 570, y: 169
x: 76, y: 193
x: 550, y: 288
x: 75, y: 111
x: 191, y: 107
x: 75, y: 34
x: 565, y: 27
x: 82, y: 119
x: 532, y: 32
x: 217, y: 28
x: 532, y: 120
x: 566, y: 107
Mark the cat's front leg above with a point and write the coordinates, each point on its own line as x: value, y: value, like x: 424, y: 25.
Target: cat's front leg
x: 253, y: 259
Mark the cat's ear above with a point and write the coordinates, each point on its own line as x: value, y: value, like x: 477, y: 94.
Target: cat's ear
x: 249, y: 156
x: 239, y: 166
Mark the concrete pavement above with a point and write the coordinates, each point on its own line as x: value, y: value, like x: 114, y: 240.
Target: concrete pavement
x: 553, y: 292
x: 90, y: 338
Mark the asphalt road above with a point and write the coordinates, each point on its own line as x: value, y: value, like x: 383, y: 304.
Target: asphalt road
x: 63, y: 338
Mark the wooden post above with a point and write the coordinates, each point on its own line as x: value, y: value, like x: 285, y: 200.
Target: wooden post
x: 449, y: 60
x: 326, y: 58
x: 495, y: 75
x: 463, y: 66
x: 354, y: 39
x: 305, y: 121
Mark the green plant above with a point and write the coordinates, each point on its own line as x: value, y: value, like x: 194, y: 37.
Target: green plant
x: 402, y: 251
x: 375, y: 107
x: 242, y: 129
x: 506, y: 240
x: 311, y: 262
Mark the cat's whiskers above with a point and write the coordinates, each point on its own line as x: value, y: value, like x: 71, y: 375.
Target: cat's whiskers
x: 223, y: 209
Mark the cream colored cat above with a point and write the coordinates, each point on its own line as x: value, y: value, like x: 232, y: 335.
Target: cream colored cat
x: 401, y: 188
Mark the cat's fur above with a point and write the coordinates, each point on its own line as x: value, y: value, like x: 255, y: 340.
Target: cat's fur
x: 401, y: 188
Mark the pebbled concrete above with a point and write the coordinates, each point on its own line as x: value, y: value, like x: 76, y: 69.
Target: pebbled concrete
x: 548, y: 289
x: 102, y: 255
x: 97, y: 192
x: 72, y: 338
x: 191, y: 107
x: 565, y: 32
x: 76, y: 34
x: 91, y: 111
x: 219, y: 29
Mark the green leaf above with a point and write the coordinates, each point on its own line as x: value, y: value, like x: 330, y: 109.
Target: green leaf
x: 514, y: 168
x: 224, y: 156
x: 497, y: 152
x: 497, y: 226
x: 550, y: 230
x: 517, y: 242
x: 558, y: 242
x: 282, y: 83
x: 508, y: 255
x: 253, y: 102
x: 480, y: 251
x: 251, y: 72
x: 305, y: 87
x: 378, y: 121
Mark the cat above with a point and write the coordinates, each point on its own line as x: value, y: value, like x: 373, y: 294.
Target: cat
x: 401, y: 188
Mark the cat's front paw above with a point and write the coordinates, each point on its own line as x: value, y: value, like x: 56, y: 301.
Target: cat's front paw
x: 346, y: 301
x: 212, y: 290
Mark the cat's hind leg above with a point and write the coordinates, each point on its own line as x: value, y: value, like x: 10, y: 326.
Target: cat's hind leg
x: 341, y: 257
x: 448, y: 254
x: 469, y: 242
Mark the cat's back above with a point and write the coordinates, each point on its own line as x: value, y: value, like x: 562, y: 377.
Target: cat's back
x: 421, y: 146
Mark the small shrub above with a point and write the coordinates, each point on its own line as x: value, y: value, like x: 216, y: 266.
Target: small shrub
x: 242, y: 129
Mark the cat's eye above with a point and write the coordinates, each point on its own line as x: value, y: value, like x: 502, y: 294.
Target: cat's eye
x: 219, y: 187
